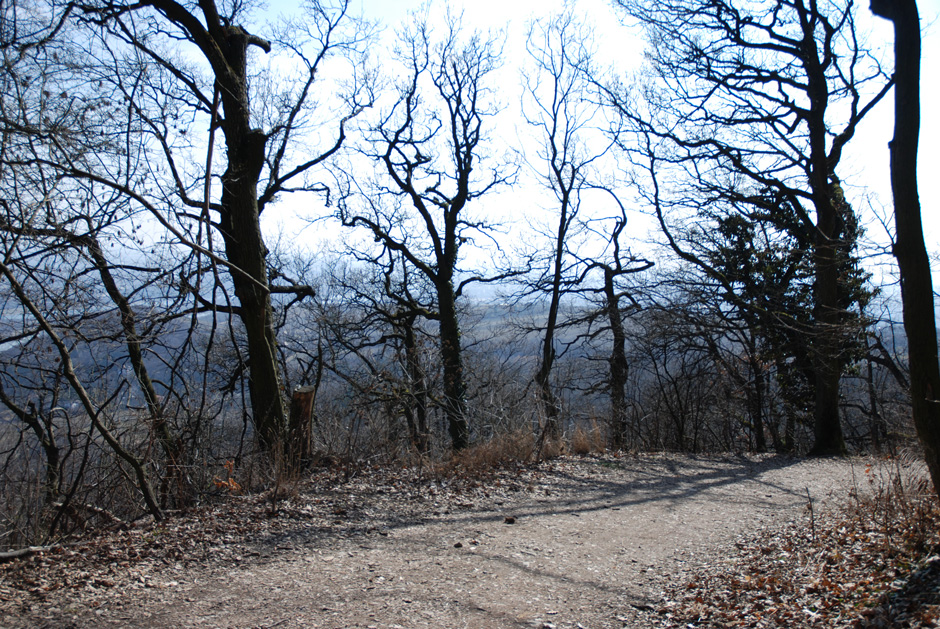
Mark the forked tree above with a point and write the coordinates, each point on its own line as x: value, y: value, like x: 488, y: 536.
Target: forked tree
x: 430, y: 150
x: 554, y: 86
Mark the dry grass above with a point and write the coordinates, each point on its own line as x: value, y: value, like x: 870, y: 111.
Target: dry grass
x: 504, y: 449
x: 588, y: 440
x: 518, y: 446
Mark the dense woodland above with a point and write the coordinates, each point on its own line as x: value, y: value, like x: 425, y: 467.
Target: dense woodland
x: 159, y: 347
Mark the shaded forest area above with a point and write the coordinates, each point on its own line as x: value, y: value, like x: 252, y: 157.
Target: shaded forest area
x: 158, y: 349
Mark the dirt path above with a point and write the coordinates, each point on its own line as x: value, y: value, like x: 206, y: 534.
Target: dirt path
x: 584, y: 543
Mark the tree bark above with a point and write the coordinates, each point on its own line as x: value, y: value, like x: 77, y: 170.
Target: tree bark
x: 455, y: 393
x: 241, y: 232
x: 910, y: 250
x: 827, y: 363
x: 619, y: 367
x: 827, y: 317
x: 757, y: 397
x: 416, y: 406
x: 300, y: 436
x: 547, y: 397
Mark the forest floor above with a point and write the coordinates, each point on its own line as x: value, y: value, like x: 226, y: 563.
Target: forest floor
x: 607, y: 541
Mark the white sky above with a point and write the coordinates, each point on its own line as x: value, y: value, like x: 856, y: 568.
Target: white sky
x: 866, y: 166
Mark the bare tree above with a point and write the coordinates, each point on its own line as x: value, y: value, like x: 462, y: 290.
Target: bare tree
x: 559, y: 50
x: 428, y: 148
x: 108, y: 230
x: 141, y: 56
x: 51, y: 236
x: 391, y: 300
x: 681, y: 387
x: 601, y: 279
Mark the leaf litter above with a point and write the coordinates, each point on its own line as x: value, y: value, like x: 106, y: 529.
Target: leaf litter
x: 870, y: 563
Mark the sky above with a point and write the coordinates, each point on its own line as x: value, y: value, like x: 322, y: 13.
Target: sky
x: 864, y: 172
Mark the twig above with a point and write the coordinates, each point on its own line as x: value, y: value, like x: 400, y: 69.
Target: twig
x: 812, y: 514
x: 20, y: 553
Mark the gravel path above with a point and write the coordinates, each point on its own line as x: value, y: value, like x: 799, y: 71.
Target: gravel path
x: 579, y: 543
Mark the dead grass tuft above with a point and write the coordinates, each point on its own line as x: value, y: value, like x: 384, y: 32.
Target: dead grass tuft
x: 552, y: 448
x: 503, y: 449
x: 588, y: 440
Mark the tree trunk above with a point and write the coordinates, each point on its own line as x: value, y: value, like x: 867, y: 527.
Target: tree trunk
x: 171, y: 443
x: 619, y: 368
x: 829, y: 440
x: 757, y: 408
x: 877, y: 422
x: 451, y: 357
x: 910, y: 251
x: 416, y: 406
x: 826, y: 308
x: 44, y: 432
x: 299, y: 448
x: 549, y: 402
x: 543, y: 377
x: 244, y: 245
